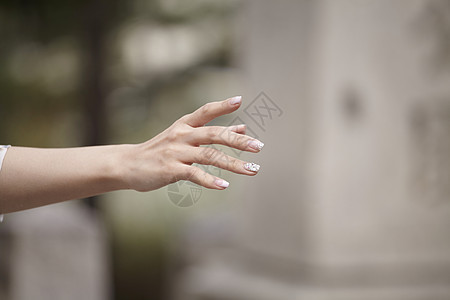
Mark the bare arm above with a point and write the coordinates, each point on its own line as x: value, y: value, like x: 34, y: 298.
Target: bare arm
x: 33, y: 177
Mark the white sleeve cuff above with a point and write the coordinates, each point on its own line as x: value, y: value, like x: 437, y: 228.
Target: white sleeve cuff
x: 3, y: 150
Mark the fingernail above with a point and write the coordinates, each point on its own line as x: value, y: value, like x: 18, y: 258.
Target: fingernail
x: 222, y: 183
x: 236, y: 100
x: 255, y: 144
x: 251, y: 167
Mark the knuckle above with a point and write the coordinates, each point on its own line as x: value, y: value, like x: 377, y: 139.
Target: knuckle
x: 239, y: 139
x: 178, y: 132
x: 184, y: 118
x: 206, y: 108
x: 230, y: 137
x: 233, y: 139
x: 170, y: 151
x: 242, y: 141
x: 209, y: 154
x: 237, y: 165
x: 226, y: 161
x: 212, y: 133
x: 192, y: 173
x: 171, y: 134
x: 183, y: 131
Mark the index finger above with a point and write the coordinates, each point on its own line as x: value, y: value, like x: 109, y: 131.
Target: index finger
x: 212, y: 110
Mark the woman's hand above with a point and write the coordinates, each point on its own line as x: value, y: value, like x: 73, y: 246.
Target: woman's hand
x: 33, y: 177
x: 169, y: 156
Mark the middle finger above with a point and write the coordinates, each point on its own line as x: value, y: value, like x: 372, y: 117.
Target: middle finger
x: 225, y: 136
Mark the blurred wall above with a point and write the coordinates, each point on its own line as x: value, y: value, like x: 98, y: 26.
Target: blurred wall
x: 352, y: 198
x: 350, y: 97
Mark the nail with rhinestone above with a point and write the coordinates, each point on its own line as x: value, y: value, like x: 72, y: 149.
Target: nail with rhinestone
x: 255, y: 144
x: 251, y: 167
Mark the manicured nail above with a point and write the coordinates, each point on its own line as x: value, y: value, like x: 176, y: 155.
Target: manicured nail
x: 222, y: 183
x: 236, y: 100
x: 255, y: 144
x: 251, y: 167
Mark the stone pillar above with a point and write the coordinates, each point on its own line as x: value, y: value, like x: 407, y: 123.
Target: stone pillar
x: 54, y: 252
x: 352, y: 201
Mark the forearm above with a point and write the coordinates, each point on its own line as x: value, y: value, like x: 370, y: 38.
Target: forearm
x: 33, y: 177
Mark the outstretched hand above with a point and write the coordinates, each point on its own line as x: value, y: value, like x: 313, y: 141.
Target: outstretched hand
x: 169, y: 156
x: 33, y: 177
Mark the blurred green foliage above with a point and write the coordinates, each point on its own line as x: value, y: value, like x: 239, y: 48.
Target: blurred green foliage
x: 97, y: 71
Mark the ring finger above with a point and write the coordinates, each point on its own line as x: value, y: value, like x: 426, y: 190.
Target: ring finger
x: 214, y: 157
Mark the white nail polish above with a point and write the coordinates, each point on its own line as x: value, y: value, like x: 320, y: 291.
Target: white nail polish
x: 222, y: 183
x: 236, y: 100
x: 251, y: 167
x: 255, y: 144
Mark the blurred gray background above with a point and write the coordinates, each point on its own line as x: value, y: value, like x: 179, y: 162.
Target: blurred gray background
x: 351, y: 98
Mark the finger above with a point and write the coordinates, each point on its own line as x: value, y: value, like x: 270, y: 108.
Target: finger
x: 200, y: 177
x: 242, y: 128
x: 224, y: 136
x: 214, y: 157
x: 212, y: 110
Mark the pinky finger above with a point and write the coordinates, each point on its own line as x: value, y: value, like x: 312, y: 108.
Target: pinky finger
x: 200, y: 177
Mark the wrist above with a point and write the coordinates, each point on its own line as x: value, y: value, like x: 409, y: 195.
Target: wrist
x: 119, y: 166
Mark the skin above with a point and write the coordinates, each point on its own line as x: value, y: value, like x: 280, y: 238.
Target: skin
x: 33, y: 177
